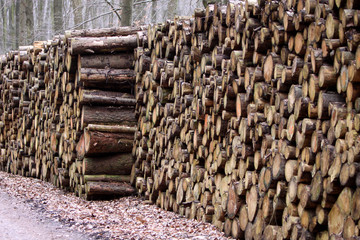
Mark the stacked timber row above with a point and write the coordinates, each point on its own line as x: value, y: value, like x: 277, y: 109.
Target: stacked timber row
x: 104, y: 81
x: 249, y: 118
x: 74, y: 88
x: 24, y: 107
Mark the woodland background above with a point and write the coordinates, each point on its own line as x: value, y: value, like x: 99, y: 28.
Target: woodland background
x: 23, y: 21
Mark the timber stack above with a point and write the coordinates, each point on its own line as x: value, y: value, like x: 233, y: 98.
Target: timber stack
x: 104, y: 79
x: 249, y: 118
x: 68, y: 111
x: 245, y: 115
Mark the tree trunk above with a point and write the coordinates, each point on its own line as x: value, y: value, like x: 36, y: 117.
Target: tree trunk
x: 58, y: 17
x: 29, y: 20
x: 76, y: 7
x: 126, y: 17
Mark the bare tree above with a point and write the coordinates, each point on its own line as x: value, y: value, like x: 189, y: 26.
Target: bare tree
x: 17, y: 21
x: 29, y: 20
x: 78, y: 13
x: 171, y: 9
x: 4, y: 28
x: 153, y: 11
x: 58, y: 16
x: 23, y: 21
x: 127, y: 13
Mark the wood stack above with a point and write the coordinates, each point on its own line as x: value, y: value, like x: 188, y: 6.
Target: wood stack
x: 249, y: 118
x: 104, y: 81
x: 24, y: 104
x: 68, y: 111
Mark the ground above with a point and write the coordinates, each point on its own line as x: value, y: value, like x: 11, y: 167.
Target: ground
x: 19, y: 221
x: 32, y: 209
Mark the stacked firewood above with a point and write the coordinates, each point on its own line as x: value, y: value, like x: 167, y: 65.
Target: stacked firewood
x: 24, y: 103
x: 249, y: 118
x: 105, y: 80
x: 68, y: 111
x: 247, y: 115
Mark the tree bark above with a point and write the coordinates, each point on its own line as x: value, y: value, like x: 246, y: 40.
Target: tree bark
x: 118, y: 164
x: 126, y: 19
x: 90, y: 45
x: 122, y: 79
x: 107, y: 116
x: 108, y: 61
x: 93, y: 189
x: 105, y: 98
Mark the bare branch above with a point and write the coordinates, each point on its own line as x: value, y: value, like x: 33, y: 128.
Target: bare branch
x: 89, y: 20
x: 112, y: 7
x: 147, y: 1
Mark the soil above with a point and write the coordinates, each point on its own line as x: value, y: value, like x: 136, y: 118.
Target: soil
x: 33, y: 209
x: 19, y: 220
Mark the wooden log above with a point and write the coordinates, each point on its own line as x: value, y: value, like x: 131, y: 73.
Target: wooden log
x: 324, y: 100
x: 91, y: 45
x: 107, y: 178
x: 116, y: 31
x: 93, y: 189
x: 110, y: 128
x: 108, y: 165
x: 122, y: 79
x: 109, y: 61
x: 106, y: 98
x: 96, y: 143
x: 107, y: 116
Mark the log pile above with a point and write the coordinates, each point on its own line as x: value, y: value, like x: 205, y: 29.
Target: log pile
x: 245, y: 115
x: 249, y: 118
x: 25, y: 108
x: 68, y: 111
x: 105, y: 78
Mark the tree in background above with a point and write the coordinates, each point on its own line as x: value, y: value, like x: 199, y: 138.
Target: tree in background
x: 58, y: 22
x: 126, y: 19
x: 29, y: 19
x: 78, y: 16
x: 23, y: 21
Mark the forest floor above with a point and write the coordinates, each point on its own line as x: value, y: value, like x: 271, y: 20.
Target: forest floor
x: 33, y: 209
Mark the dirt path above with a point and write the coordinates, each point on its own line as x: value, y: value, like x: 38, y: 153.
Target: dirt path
x: 32, y: 209
x: 18, y: 221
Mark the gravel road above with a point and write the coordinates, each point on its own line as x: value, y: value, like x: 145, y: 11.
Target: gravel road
x: 33, y: 209
x: 20, y: 221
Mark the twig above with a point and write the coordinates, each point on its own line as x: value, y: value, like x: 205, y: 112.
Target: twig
x: 112, y: 7
x: 89, y: 20
x: 147, y: 1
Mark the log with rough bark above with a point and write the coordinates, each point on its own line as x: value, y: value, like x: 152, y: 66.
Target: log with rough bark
x: 91, y: 45
x: 113, y: 189
x: 107, y: 178
x: 116, y: 31
x: 121, y: 79
x: 105, y: 98
x: 95, y: 143
x: 110, y: 61
x: 119, y: 164
x: 107, y: 115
